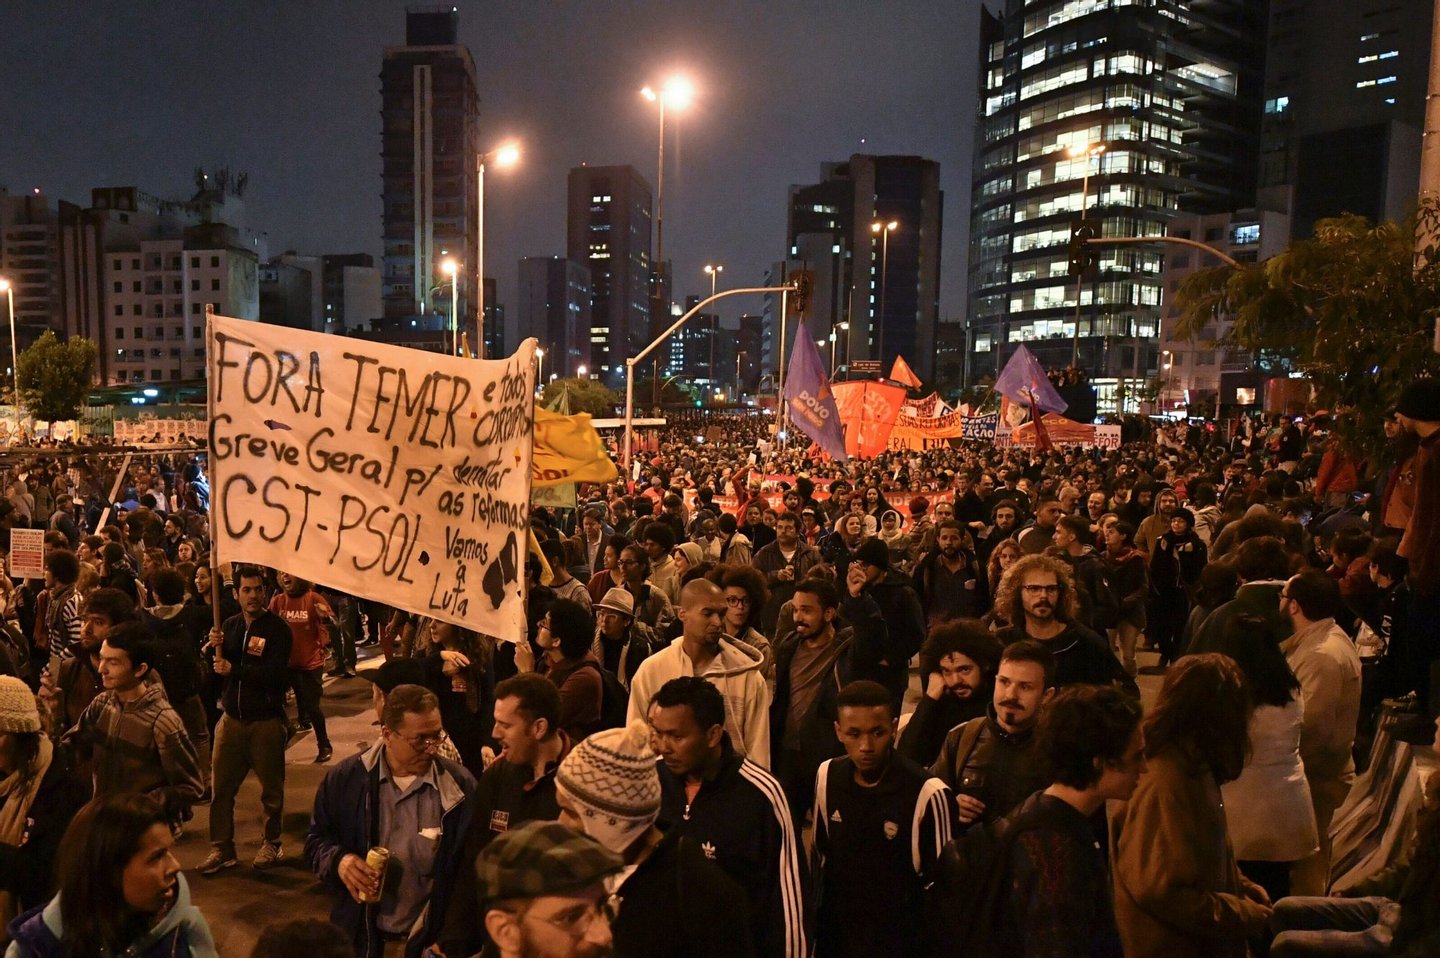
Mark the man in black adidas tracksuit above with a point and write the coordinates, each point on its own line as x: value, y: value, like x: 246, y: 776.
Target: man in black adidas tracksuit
x: 880, y: 823
x: 733, y: 808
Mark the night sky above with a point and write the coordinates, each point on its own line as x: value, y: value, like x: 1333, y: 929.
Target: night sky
x: 140, y: 92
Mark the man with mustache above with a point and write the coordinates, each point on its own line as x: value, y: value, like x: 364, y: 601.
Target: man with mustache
x: 991, y: 763
x: 957, y: 672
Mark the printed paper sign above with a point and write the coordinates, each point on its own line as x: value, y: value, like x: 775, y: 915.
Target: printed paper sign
x: 27, y: 554
x: 384, y: 472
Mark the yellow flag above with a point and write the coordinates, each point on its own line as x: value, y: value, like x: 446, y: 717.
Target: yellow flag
x: 568, y: 449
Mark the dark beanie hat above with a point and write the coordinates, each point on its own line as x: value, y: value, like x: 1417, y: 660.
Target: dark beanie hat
x: 873, y: 552
x: 1185, y: 514
x: 1421, y: 400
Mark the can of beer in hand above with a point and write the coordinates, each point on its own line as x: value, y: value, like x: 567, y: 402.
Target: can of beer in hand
x: 377, y: 858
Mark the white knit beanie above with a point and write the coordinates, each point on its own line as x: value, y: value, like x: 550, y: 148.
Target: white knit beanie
x: 18, y: 711
x: 610, y: 779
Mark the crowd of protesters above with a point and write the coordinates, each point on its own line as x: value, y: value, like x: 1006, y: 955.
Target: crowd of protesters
x: 766, y: 705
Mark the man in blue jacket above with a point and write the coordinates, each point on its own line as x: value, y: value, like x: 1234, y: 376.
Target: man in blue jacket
x: 400, y: 796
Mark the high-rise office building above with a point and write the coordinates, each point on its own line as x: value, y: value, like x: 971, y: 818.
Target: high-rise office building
x: 555, y: 309
x: 29, y: 263
x: 694, y: 349
x: 884, y: 284
x: 1141, y: 110
x: 1345, y: 85
x: 608, y: 229
x: 351, y: 291
x: 429, y: 154
x: 749, y: 346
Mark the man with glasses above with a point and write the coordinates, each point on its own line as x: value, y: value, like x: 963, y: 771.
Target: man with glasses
x: 542, y: 893
x: 398, y: 795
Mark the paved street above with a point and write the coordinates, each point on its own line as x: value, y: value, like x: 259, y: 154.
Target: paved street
x: 238, y: 903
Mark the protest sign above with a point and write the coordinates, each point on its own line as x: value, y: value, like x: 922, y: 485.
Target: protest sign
x: 377, y: 470
x: 27, y: 554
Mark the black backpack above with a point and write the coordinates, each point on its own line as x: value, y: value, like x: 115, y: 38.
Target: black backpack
x: 176, y: 657
x: 614, y: 699
x: 963, y: 905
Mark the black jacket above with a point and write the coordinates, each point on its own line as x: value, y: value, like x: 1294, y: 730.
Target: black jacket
x: 1000, y: 768
x: 974, y: 603
x: 741, y: 820
x: 904, y: 628
x: 680, y: 904
x: 27, y: 870
x: 932, y: 721
x: 1081, y: 657
x: 256, y: 686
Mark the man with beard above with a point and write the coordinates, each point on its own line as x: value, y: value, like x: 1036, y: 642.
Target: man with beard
x: 785, y: 562
x: 1004, y: 523
x: 991, y: 763
x: 1156, y: 524
x: 838, y: 503
x: 943, y: 511
x: 1037, y: 594
x: 957, y: 671
x: 872, y: 883
x: 812, y: 663
x: 543, y: 894
x: 948, y: 580
x: 1038, y: 537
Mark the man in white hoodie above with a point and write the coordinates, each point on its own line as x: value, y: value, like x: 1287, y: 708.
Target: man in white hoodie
x: 1328, y: 667
x: 733, y: 666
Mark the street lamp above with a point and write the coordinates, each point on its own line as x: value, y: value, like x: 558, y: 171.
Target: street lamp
x: 582, y: 371
x: 1165, y: 388
x: 738, y: 356
x: 540, y: 371
x: 843, y: 325
x: 505, y: 155
x: 1075, y: 152
x: 714, y: 273
x: 452, y: 269
x: 9, y: 289
x: 677, y: 93
x: 884, y: 229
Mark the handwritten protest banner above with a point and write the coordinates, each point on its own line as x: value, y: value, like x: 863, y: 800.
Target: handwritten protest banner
x: 376, y: 470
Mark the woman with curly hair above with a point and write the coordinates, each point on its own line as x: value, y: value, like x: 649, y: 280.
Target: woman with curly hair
x: 745, y: 597
x: 1178, y: 891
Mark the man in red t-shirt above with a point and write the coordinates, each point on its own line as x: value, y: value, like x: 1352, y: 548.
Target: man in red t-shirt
x: 309, y: 617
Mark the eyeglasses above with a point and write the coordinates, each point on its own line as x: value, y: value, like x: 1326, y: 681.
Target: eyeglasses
x: 737, y: 600
x: 424, y: 743
x: 629, y: 561
x: 1040, y: 589
x: 576, y: 921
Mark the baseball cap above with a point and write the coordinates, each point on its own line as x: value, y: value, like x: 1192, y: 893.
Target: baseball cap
x: 396, y: 672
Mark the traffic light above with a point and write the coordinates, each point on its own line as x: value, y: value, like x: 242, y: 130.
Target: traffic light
x: 798, y: 301
x: 1082, y: 254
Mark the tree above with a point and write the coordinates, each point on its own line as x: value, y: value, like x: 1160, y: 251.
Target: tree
x: 55, y: 376
x: 1351, y: 308
x: 583, y: 395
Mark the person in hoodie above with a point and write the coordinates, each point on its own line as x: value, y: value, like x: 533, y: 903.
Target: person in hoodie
x: 122, y: 894
x: 1206, y: 509
x: 1037, y: 595
x: 132, y: 738
x: 832, y: 644
x: 704, y: 649
x: 957, y: 672
x: 719, y: 800
x: 1177, y: 558
x: 676, y: 899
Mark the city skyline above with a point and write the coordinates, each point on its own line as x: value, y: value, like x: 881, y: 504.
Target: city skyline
x: 245, y: 87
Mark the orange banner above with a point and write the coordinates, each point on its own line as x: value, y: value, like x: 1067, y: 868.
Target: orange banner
x: 868, y: 411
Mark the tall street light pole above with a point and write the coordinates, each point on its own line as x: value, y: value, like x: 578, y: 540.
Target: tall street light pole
x: 507, y: 155
x: 714, y: 273
x: 884, y: 229
x: 1087, y: 151
x: 452, y: 269
x: 9, y: 289
x: 677, y: 92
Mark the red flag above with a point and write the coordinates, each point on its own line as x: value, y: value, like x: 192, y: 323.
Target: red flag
x: 1042, y: 436
x: 902, y: 373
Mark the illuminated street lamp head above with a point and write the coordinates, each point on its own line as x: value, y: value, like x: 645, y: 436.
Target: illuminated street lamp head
x: 677, y: 92
x: 845, y: 324
x: 449, y: 267
x: 889, y: 227
x: 713, y: 269
x: 581, y: 372
x: 507, y: 155
x: 4, y: 285
x: 540, y: 352
x: 1085, y: 150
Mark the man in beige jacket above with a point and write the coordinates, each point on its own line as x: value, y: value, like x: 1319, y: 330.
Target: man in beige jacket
x: 1328, y: 667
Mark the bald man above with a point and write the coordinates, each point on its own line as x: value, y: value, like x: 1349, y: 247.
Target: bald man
x: 734, y: 667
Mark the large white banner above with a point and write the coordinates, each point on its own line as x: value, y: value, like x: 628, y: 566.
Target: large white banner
x: 385, y: 472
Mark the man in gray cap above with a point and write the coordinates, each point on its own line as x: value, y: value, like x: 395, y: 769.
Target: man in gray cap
x: 542, y: 893
x: 621, y: 642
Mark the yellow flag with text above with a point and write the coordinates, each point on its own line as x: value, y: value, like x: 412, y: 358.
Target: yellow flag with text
x: 568, y: 449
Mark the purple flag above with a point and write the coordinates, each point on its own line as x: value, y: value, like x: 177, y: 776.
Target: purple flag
x: 808, y: 397
x: 1023, y: 381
